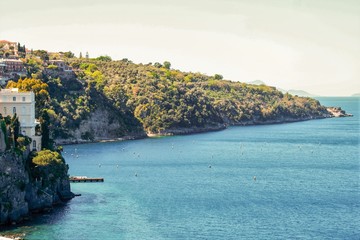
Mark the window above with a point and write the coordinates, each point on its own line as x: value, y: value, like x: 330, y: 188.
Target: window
x: 14, y: 110
x: 5, y: 111
x: 34, y: 144
x: 14, y: 99
x: 23, y: 99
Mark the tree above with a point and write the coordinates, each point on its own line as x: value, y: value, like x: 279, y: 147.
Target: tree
x: 218, y: 77
x: 158, y: 65
x: 69, y: 54
x: 15, y: 125
x: 104, y: 58
x: 80, y: 56
x: 42, y: 54
x: 45, y: 131
x: 167, y: 65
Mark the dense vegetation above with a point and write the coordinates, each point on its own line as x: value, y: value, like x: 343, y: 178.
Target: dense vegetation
x: 162, y: 98
x: 151, y: 97
x: 45, y: 162
x: 13, y: 139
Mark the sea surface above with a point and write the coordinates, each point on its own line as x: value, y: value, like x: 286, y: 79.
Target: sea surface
x: 286, y: 181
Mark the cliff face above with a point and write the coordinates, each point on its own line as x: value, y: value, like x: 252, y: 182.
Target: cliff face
x: 100, y: 125
x: 13, y: 182
x: 338, y: 112
x: 22, y: 192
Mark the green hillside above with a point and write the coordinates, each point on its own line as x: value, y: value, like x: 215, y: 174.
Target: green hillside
x: 154, y: 97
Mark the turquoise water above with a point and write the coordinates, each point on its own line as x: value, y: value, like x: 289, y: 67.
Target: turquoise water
x: 202, y: 186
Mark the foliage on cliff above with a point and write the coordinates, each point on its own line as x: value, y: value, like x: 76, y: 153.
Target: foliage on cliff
x: 154, y: 97
x: 163, y: 98
x: 12, y: 139
x: 47, y: 162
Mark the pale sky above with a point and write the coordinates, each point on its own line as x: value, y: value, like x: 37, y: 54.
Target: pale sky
x: 312, y: 45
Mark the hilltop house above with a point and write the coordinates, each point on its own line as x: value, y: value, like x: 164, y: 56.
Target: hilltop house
x: 13, y: 65
x: 23, y: 104
x: 60, y: 64
x: 9, y: 46
x: 10, y: 68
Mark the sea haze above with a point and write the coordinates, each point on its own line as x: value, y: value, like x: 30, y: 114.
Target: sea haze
x: 287, y: 181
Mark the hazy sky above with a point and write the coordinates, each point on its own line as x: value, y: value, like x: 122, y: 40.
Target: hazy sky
x: 313, y: 45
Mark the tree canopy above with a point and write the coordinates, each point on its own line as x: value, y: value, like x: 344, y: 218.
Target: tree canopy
x: 153, y: 97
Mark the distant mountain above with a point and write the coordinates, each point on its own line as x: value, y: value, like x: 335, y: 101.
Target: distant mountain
x: 356, y: 95
x: 257, y: 82
x: 301, y: 93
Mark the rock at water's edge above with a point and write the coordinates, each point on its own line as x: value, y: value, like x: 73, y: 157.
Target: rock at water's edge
x: 21, y: 193
x: 337, y: 112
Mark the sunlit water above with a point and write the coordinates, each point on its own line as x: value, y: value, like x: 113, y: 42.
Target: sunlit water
x: 286, y: 181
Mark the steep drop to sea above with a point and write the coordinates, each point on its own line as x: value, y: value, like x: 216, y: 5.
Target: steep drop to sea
x: 22, y: 191
x: 202, y: 186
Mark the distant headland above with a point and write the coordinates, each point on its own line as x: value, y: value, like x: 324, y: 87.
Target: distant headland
x: 93, y: 99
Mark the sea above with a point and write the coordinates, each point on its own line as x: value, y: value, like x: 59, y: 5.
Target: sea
x: 283, y: 181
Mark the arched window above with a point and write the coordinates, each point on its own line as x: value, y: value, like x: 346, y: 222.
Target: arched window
x: 34, y: 144
x: 14, y: 109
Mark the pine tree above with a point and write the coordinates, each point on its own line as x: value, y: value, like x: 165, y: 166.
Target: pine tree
x: 45, y: 132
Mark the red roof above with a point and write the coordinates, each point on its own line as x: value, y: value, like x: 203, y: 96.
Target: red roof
x: 6, y: 41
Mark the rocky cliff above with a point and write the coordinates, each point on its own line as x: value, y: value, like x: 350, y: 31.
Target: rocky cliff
x: 101, y: 125
x: 23, y: 189
x: 338, y: 112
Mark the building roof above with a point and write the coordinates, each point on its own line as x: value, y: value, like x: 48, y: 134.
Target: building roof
x: 9, y: 60
x: 9, y: 90
x: 6, y: 41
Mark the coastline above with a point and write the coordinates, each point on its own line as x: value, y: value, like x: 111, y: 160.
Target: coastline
x: 188, y: 131
x: 72, y: 141
x: 332, y: 112
x: 5, y: 238
x: 18, y: 236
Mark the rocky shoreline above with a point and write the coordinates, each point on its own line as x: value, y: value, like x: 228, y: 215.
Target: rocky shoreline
x: 332, y: 112
x: 338, y: 112
x: 186, y: 131
x: 97, y: 140
x: 24, y: 193
x: 6, y: 238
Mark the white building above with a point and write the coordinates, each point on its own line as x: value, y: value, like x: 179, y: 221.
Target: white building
x: 23, y: 104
